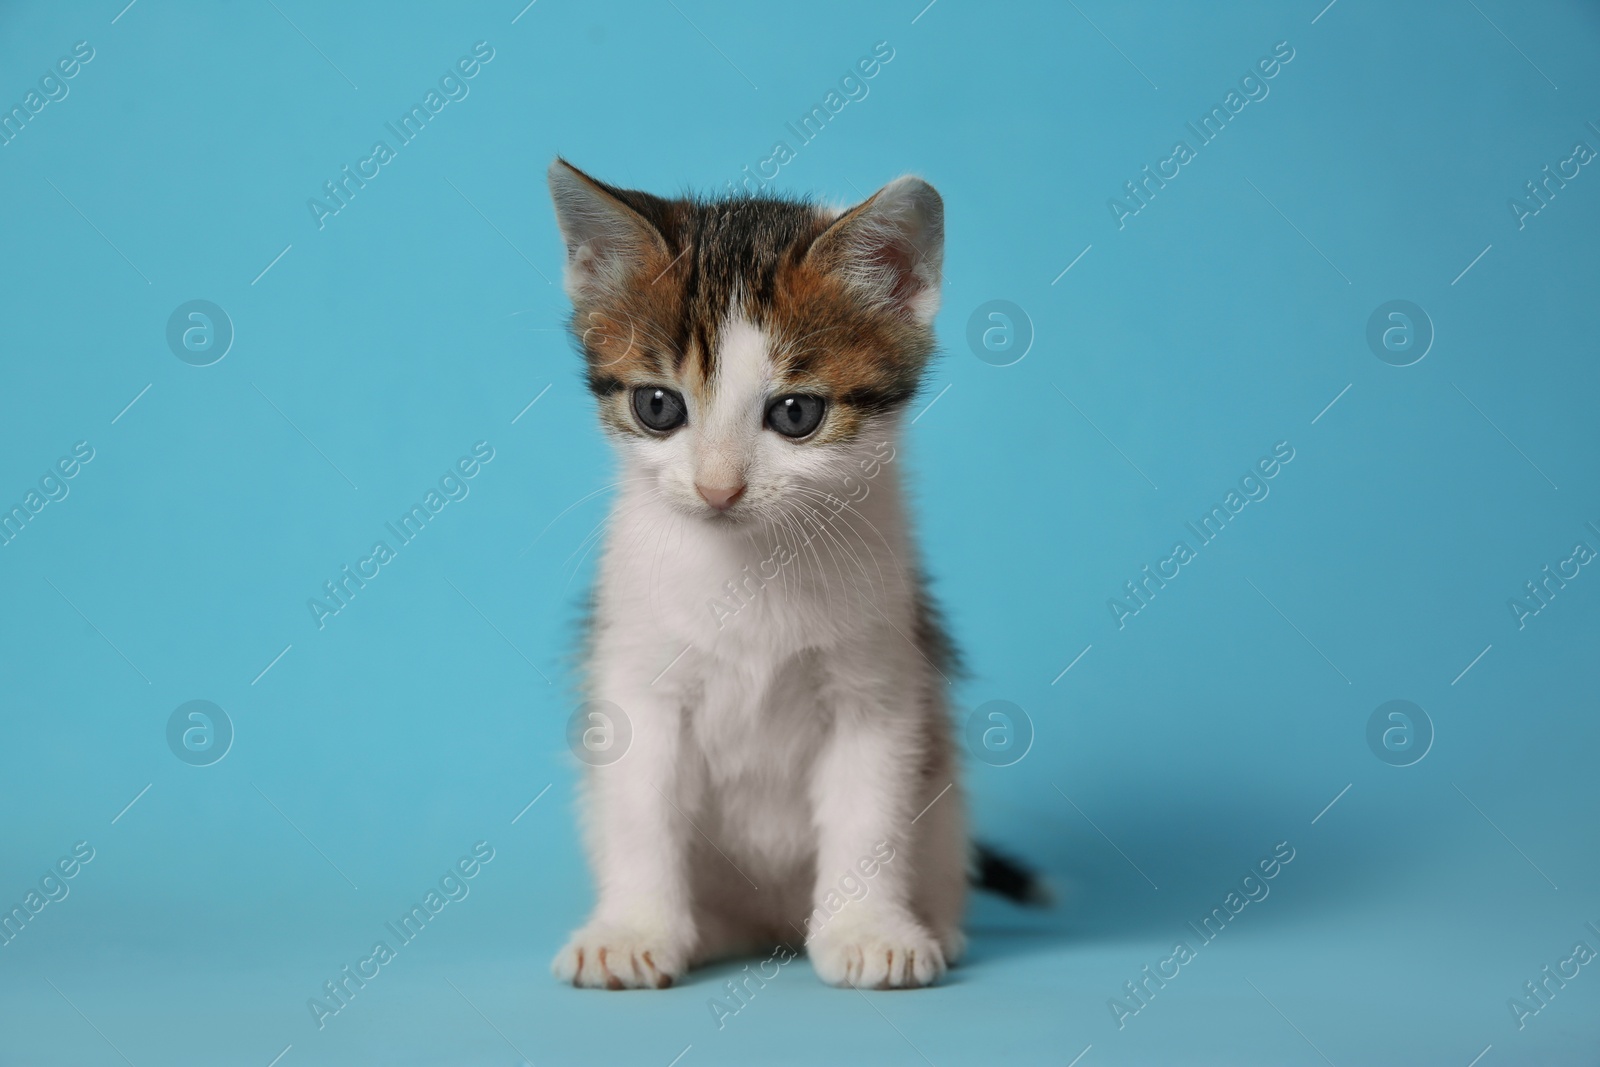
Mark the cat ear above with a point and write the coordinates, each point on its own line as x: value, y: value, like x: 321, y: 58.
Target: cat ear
x: 607, y: 240
x: 890, y: 247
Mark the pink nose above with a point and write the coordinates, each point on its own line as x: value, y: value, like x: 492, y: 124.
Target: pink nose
x: 720, y: 498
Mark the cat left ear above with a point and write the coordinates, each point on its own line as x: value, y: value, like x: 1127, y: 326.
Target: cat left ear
x: 890, y: 248
x: 607, y: 239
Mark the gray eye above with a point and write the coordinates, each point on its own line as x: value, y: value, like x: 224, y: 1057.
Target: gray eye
x: 796, y: 415
x: 658, y: 410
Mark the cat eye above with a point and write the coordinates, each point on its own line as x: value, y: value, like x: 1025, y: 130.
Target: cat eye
x: 796, y: 415
x: 658, y: 410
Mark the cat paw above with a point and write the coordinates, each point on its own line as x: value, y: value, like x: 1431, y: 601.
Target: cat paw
x: 893, y: 955
x: 603, y: 956
x: 954, y: 944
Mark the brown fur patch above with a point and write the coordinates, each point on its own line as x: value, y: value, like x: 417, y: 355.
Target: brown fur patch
x: 748, y: 256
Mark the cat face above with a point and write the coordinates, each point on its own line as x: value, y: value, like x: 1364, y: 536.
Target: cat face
x: 747, y: 353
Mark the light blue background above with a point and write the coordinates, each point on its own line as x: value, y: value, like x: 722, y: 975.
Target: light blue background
x: 1222, y: 319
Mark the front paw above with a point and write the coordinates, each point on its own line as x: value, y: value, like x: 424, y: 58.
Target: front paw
x: 606, y: 956
x: 877, y: 954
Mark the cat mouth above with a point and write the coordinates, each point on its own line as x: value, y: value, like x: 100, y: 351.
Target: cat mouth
x: 735, y: 516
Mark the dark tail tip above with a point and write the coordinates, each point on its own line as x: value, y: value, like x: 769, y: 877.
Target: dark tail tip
x: 996, y: 873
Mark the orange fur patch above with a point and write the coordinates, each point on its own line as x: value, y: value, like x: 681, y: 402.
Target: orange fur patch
x: 661, y: 327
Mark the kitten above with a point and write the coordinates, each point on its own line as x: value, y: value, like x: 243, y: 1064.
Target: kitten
x: 759, y: 618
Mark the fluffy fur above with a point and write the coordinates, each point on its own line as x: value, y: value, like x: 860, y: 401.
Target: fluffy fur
x: 780, y: 665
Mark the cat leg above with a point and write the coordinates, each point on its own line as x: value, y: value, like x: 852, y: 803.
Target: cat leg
x: 869, y: 788
x: 940, y: 893
x: 642, y: 933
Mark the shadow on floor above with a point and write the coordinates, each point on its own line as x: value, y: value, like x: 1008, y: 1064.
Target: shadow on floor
x: 1147, y: 873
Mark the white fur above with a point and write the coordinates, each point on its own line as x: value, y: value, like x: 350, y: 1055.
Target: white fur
x: 773, y: 748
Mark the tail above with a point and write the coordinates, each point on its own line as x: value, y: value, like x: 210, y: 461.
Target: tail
x: 996, y: 873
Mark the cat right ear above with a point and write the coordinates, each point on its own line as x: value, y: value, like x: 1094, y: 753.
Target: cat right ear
x: 607, y: 240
